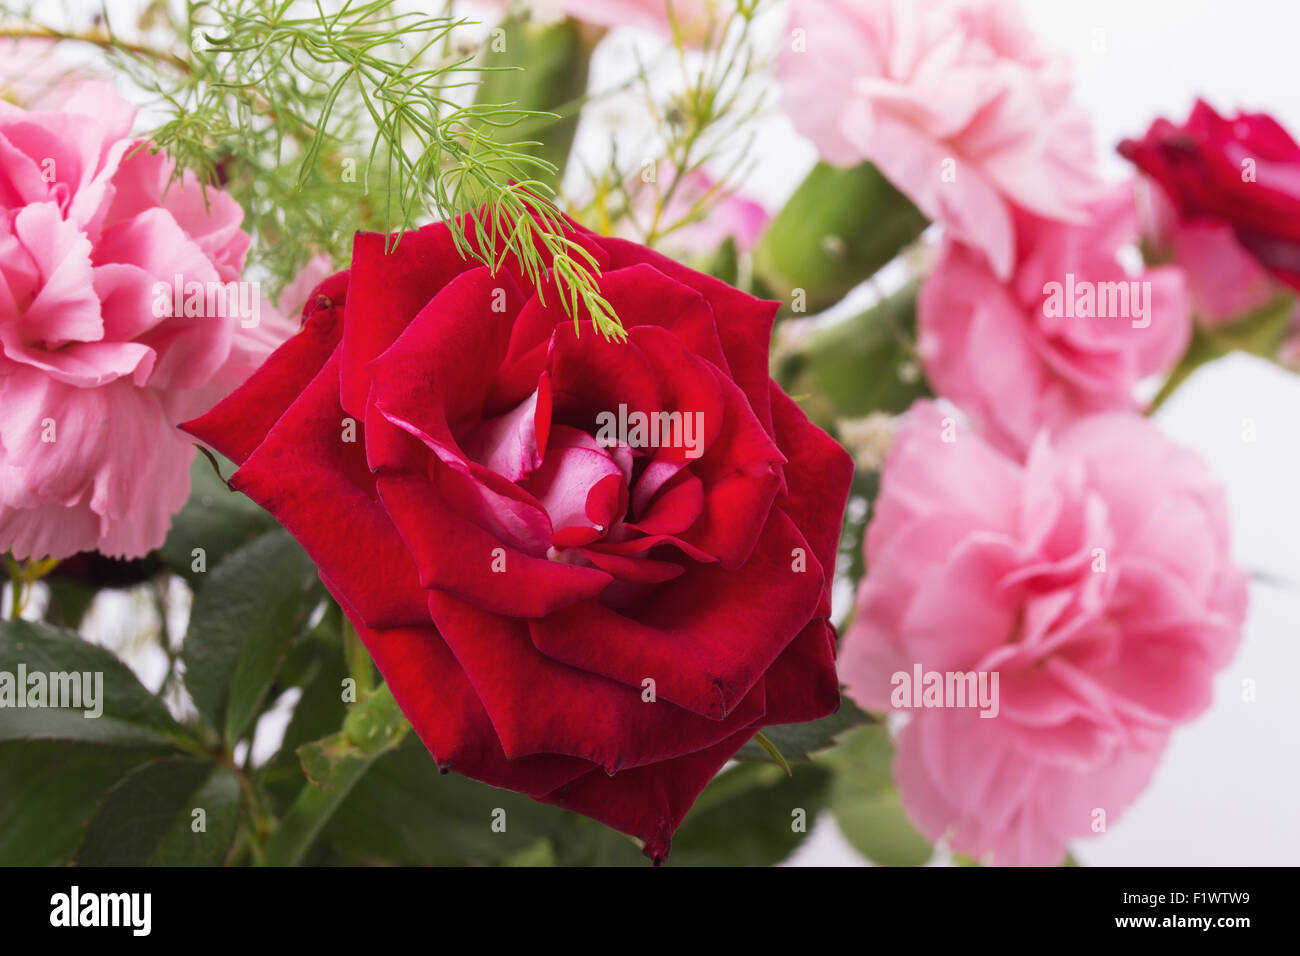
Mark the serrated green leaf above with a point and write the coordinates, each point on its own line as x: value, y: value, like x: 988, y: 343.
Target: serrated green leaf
x: 755, y: 816
x: 131, y: 716
x: 797, y: 742
x: 148, y: 818
x: 405, y: 812
x: 49, y: 789
x: 181, y: 845
x: 243, y: 622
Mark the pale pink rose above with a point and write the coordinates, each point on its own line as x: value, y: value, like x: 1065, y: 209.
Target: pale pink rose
x: 1018, y: 357
x: 1094, y: 580
x: 952, y: 100
x: 1224, y: 280
x: 37, y: 73
x: 93, y: 380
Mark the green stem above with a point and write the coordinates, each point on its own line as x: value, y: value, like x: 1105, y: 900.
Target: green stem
x: 312, y: 809
x: 98, y: 38
x: 333, y: 767
x: 1259, y: 333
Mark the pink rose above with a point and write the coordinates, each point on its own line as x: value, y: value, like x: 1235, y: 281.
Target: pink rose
x: 1071, y: 333
x: 1093, y: 581
x: 952, y: 100
x: 36, y: 72
x: 94, y: 371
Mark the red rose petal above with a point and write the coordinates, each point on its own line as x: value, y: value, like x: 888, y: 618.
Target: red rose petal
x: 434, y: 694
x: 648, y: 802
x: 457, y: 555
x: 385, y: 291
x: 538, y: 705
x: 802, y: 685
x: 237, y: 425
x: 744, y: 322
x: 318, y: 486
x: 435, y: 374
x: 816, y: 461
x: 707, y: 637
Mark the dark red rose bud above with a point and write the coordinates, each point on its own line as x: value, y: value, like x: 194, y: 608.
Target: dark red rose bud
x: 590, y: 571
x: 1243, y: 171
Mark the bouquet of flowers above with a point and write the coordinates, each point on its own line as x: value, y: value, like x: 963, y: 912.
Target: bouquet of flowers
x: 424, y: 439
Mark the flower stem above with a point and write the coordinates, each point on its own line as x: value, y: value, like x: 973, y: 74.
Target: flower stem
x: 333, y: 767
x: 99, y: 38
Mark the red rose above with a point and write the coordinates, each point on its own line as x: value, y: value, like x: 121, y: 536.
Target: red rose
x: 1203, y: 168
x: 517, y: 582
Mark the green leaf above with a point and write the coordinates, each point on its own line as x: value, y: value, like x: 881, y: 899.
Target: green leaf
x: 56, y: 765
x: 149, y: 817
x: 320, y: 709
x: 316, y: 665
x: 541, y: 853
x: 724, y: 263
x: 131, y: 716
x: 797, y: 742
x: 866, y: 802
x: 403, y: 811
x: 215, y: 519
x: 750, y: 815
x: 580, y: 841
x: 49, y: 789
x: 242, y: 624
